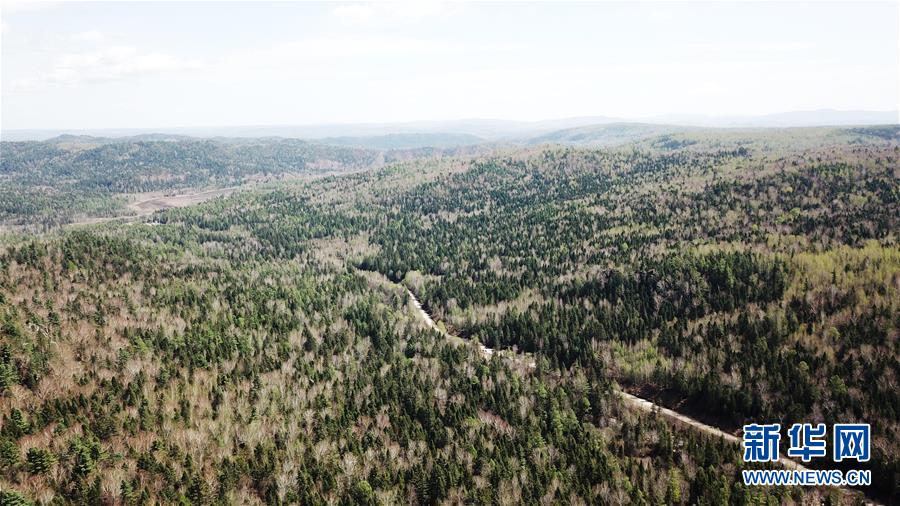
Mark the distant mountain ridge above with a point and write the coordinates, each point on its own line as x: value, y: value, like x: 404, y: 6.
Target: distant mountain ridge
x: 404, y: 141
x: 603, y: 135
x: 464, y: 132
x: 820, y: 117
x: 489, y: 129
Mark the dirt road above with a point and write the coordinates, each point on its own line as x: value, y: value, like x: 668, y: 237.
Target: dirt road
x: 631, y: 400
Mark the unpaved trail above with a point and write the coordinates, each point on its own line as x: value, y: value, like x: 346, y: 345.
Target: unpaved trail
x: 632, y: 400
x: 485, y: 351
x: 645, y: 405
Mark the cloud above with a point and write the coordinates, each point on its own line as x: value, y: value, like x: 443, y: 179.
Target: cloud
x: 331, y: 57
x: 107, y: 64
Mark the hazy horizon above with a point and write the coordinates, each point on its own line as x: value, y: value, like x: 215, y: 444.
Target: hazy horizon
x: 163, y: 66
x: 485, y: 128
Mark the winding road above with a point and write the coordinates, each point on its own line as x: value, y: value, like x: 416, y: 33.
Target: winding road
x: 629, y: 399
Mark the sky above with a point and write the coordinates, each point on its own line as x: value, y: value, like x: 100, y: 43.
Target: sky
x: 70, y: 65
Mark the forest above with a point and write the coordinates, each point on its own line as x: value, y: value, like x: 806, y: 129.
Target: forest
x: 261, y: 348
x: 71, y: 178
